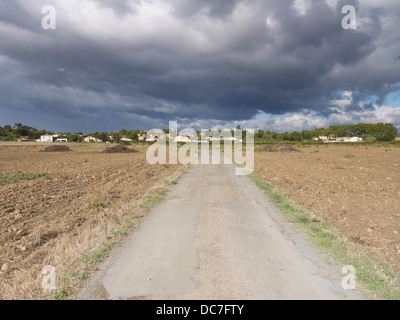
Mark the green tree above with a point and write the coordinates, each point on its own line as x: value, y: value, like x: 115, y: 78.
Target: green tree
x: 295, y: 136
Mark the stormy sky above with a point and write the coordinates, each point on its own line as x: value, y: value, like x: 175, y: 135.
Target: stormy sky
x: 137, y: 64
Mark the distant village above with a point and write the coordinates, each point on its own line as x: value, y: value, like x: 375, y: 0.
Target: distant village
x: 334, y: 134
x: 145, y: 137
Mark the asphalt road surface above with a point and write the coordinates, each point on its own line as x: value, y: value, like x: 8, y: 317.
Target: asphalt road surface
x: 216, y: 237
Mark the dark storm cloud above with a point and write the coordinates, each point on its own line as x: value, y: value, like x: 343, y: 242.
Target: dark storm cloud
x: 220, y: 9
x: 119, y: 6
x: 191, y: 60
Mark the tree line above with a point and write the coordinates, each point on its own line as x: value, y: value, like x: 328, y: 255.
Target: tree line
x: 19, y: 130
x: 367, y: 131
x: 12, y: 133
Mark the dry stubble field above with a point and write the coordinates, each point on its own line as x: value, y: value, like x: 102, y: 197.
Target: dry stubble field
x: 356, y: 187
x: 56, y: 207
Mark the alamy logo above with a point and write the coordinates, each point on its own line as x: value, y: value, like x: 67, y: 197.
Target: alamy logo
x: 49, y: 279
x: 349, y: 21
x: 349, y: 281
x: 49, y: 20
x: 234, y: 143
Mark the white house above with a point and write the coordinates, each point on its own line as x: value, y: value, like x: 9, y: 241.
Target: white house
x: 62, y: 140
x: 155, y: 135
x: 349, y: 139
x: 181, y: 139
x: 353, y: 139
x: 46, y: 138
x: 90, y: 138
x: 126, y: 139
x: 230, y: 139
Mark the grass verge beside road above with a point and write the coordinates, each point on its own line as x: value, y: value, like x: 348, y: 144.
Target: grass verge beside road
x: 376, y: 280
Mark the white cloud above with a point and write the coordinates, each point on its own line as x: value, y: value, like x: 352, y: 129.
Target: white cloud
x: 302, y: 6
x: 308, y: 120
x: 346, y: 99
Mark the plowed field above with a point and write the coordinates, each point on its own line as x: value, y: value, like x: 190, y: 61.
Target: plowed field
x: 54, y: 207
x: 357, y: 188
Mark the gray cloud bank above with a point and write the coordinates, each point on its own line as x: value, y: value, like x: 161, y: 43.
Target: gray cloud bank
x: 138, y: 64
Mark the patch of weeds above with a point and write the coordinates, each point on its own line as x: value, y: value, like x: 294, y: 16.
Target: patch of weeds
x: 340, y: 167
x: 8, y: 225
x: 117, y: 234
x: 302, y: 219
x: 130, y: 223
x: 105, y: 227
x: 42, y: 218
x: 153, y: 199
x: 29, y: 209
x: 88, y: 152
x: 349, y: 156
x: 116, y: 219
x: 272, y: 150
x: 97, y: 204
x: 61, y: 293
x: 38, y: 241
x: 286, y: 179
x: 82, y: 162
x: 98, y: 255
x: 111, y: 203
x: 170, y: 182
x: 13, y: 177
x: 83, y: 275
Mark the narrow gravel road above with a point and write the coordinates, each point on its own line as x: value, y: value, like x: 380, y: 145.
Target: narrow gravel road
x: 215, y: 237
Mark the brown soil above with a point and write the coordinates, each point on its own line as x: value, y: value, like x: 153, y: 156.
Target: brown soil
x: 119, y: 149
x: 355, y: 187
x: 281, y: 147
x: 53, y: 219
x: 56, y: 148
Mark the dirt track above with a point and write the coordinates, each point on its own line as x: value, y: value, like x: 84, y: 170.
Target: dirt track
x: 216, y: 237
